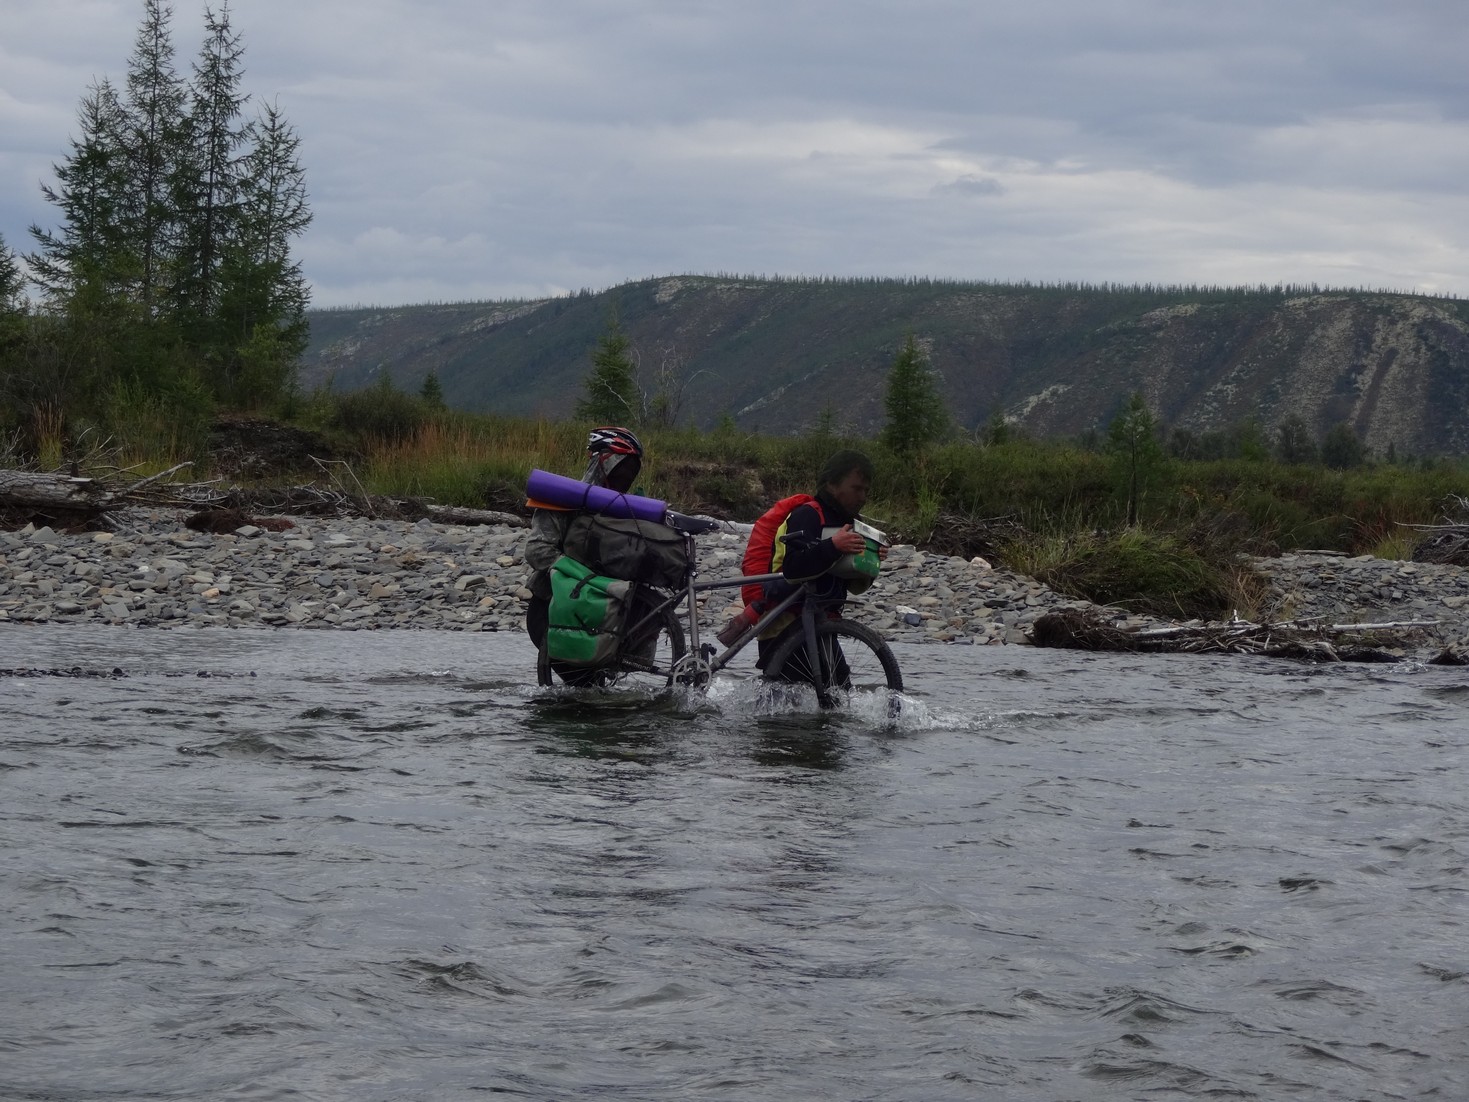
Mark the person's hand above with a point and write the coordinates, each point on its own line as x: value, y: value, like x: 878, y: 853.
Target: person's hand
x: 847, y: 541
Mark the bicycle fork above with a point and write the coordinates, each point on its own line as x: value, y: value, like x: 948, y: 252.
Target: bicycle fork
x: 822, y: 673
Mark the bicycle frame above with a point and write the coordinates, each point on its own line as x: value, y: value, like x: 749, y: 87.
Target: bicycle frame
x: 698, y: 667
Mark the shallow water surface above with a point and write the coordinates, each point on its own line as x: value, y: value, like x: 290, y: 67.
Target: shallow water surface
x: 386, y: 866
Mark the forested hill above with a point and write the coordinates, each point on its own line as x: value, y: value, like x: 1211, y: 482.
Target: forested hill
x: 776, y: 354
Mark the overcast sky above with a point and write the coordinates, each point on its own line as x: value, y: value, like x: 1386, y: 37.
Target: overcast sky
x: 466, y: 149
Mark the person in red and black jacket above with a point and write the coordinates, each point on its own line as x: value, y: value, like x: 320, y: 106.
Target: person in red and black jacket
x: 817, y: 534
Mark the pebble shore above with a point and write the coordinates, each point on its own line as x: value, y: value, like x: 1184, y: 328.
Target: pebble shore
x: 359, y: 573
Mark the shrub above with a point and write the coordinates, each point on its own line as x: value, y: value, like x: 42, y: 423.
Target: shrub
x: 164, y: 426
x: 379, y: 412
x: 1143, y: 571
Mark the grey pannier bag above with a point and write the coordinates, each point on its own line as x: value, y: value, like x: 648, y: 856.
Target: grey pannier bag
x: 627, y: 548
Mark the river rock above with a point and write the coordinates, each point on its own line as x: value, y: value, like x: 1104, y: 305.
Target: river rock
x: 358, y: 573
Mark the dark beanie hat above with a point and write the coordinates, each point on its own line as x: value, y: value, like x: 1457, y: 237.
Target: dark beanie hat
x: 844, y: 463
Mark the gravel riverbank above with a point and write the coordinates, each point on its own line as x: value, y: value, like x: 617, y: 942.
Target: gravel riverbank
x: 359, y: 573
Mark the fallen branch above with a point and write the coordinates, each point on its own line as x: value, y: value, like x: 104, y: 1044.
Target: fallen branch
x: 1086, y: 629
x: 135, y: 487
x: 330, y: 465
x: 452, y: 514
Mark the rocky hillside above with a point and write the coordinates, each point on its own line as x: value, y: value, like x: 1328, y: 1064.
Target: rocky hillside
x: 774, y: 354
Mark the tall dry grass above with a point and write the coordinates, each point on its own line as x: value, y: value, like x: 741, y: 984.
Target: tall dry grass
x: 458, y: 460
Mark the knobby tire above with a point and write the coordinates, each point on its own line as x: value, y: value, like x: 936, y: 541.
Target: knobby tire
x: 870, y: 662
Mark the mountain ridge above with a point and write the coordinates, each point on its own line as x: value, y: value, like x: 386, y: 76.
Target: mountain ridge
x: 781, y: 355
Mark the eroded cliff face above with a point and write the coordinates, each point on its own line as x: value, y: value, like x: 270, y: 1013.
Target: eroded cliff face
x: 1394, y: 368
x: 776, y: 354
x: 1379, y: 367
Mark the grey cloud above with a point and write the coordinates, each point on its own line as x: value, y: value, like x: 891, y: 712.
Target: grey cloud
x: 980, y: 186
x: 460, y: 148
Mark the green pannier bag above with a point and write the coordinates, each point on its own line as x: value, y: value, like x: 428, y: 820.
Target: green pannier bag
x: 587, y: 616
x: 625, y: 547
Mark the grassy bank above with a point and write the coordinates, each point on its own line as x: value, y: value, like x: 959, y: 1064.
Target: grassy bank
x: 1054, y: 510
x: 1040, y: 489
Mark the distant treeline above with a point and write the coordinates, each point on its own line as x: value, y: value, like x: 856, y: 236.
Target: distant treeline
x: 1212, y: 292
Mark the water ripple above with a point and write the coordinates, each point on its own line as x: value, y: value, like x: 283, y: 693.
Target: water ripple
x: 380, y: 871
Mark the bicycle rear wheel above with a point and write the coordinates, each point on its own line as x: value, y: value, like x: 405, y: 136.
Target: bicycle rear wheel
x: 852, y: 659
x: 646, y: 658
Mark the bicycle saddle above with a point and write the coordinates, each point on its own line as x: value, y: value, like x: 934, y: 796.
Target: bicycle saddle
x: 692, y: 525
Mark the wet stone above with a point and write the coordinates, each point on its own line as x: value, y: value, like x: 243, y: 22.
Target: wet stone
x: 358, y: 573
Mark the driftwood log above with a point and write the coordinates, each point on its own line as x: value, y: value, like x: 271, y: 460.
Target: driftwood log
x: 1086, y: 629
x: 72, y: 500
x: 34, y: 490
x: 448, y: 514
x: 1446, y: 543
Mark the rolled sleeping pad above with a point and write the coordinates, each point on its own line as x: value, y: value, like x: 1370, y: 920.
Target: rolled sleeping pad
x: 571, y: 493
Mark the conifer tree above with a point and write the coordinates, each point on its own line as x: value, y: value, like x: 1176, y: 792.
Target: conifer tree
x: 11, y: 282
x: 1293, y: 443
x: 207, y: 174
x: 1132, y: 438
x: 998, y: 430
x: 88, y: 270
x: 263, y: 293
x: 12, y: 322
x: 12, y: 312
x: 611, y: 392
x: 1341, y: 448
x: 91, y: 251
x: 916, y: 416
x: 155, y: 131
x: 1247, y: 440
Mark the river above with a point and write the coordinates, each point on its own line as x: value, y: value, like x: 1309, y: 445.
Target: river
x: 354, y: 865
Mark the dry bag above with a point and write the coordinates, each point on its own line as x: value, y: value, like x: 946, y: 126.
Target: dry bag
x: 587, y: 615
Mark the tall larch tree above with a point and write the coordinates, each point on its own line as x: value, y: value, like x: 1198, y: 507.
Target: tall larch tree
x: 263, y: 292
x: 87, y: 270
x: 611, y: 389
x: 156, y: 129
x: 916, y: 416
x: 91, y: 255
x: 1132, y: 439
x: 12, y: 307
x: 207, y: 176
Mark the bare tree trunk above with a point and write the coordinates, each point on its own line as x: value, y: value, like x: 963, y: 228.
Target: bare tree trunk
x: 34, y: 490
x: 450, y: 514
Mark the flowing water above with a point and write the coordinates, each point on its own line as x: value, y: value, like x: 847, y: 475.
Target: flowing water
x: 385, y: 866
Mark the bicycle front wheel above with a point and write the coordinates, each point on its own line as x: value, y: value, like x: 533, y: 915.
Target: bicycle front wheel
x: 852, y: 659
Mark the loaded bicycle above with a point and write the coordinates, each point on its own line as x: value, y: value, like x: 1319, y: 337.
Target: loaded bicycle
x: 659, y: 640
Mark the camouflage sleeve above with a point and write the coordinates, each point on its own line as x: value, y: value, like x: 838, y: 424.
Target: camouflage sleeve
x: 547, y: 534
